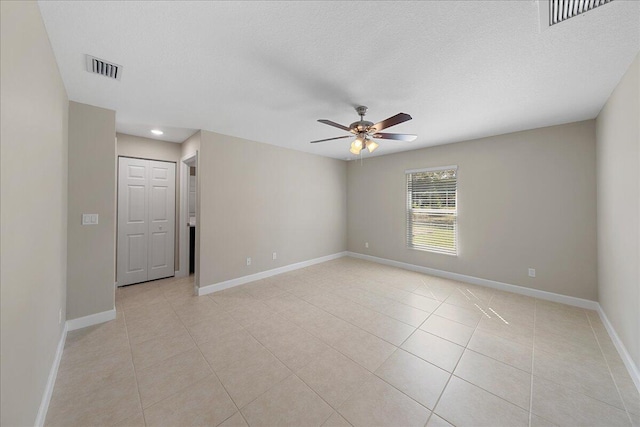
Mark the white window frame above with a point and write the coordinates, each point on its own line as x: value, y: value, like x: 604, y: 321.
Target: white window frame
x: 410, y: 211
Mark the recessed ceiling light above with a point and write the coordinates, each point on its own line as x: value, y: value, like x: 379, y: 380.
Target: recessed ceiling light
x: 156, y: 132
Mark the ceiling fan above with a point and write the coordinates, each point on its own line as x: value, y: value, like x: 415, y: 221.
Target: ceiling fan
x: 366, y: 131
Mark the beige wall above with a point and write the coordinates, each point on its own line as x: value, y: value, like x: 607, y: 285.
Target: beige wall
x: 525, y: 199
x: 147, y: 148
x: 618, y: 149
x: 256, y: 199
x: 92, y: 189
x: 33, y: 122
x: 191, y: 145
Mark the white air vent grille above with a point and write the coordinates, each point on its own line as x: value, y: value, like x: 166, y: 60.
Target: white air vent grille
x: 104, y: 68
x: 561, y: 10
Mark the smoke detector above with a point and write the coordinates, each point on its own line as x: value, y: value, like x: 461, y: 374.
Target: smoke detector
x: 104, y: 68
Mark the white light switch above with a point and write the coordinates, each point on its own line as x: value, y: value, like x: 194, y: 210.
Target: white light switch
x: 89, y: 219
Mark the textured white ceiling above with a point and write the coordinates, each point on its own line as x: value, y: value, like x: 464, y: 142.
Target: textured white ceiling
x: 267, y: 71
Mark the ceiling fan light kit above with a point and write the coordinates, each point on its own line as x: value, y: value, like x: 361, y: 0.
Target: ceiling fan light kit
x: 366, y: 131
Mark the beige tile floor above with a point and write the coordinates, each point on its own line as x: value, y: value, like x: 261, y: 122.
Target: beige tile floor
x: 342, y: 343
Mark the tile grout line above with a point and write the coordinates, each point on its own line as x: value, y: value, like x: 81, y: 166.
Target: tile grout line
x: 195, y: 345
x: 352, y: 324
x: 575, y: 390
x: 606, y: 361
x: 135, y: 373
x: 545, y: 378
x: 160, y: 336
x: 452, y: 374
x: 208, y: 364
x: 552, y: 380
x: 348, y: 357
x: 293, y: 373
x: 278, y: 359
x: 399, y: 347
x: 359, y: 327
x: 531, y: 397
x: 390, y: 299
x: 499, y: 361
x: 416, y: 329
x: 331, y: 291
x: 430, y: 314
x: 385, y: 314
x: 383, y: 362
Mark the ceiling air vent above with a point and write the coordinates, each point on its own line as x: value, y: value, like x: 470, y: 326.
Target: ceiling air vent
x: 104, y: 68
x: 561, y: 10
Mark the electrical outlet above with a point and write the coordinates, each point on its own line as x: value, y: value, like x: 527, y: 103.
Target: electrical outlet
x: 366, y: 245
x: 249, y: 261
x: 532, y: 272
x: 59, y: 316
x: 275, y: 256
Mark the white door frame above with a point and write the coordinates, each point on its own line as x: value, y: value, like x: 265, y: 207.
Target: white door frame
x: 185, y: 163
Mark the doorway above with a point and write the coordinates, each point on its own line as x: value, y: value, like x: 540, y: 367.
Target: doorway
x: 146, y: 220
x: 189, y: 222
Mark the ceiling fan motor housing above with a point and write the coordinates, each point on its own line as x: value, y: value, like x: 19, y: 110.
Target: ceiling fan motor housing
x: 361, y: 126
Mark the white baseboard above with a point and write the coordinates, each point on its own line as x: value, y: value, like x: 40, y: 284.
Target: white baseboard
x: 69, y: 325
x: 634, y: 372
x: 521, y: 290
x: 51, y: 381
x: 204, y: 290
x: 93, y: 319
x: 181, y: 273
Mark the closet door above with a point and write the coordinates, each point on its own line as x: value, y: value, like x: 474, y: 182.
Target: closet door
x: 162, y: 219
x: 133, y: 227
x: 146, y: 220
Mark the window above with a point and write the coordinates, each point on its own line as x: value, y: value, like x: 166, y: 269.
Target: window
x: 432, y: 209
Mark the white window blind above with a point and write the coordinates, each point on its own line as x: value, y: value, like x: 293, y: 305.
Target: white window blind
x: 432, y: 209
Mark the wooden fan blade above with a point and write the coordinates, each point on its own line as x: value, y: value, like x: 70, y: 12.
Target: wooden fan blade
x: 331, y: 139
x: 391, y: 121
x: 334, y: 124
x: 395, y: 136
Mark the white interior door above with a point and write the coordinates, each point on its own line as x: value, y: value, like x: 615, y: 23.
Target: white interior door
x: 162, y: 219
x: 146, y: 220
x: 133, y: 227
